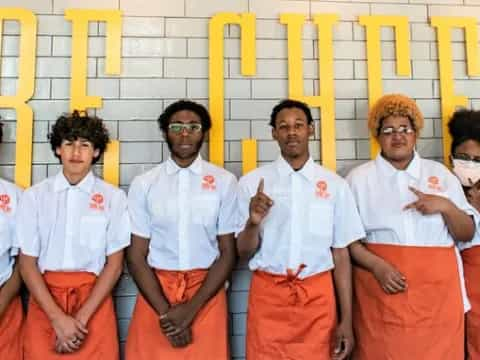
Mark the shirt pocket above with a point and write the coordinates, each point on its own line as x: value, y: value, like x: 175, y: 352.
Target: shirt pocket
x: 93, y: 232
x: 205, y: 210
x: 164, y: 210
x: 320, y: 219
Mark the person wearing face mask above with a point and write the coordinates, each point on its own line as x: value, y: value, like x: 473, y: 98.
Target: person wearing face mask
x: 464, y: 128
x: 407, y: 284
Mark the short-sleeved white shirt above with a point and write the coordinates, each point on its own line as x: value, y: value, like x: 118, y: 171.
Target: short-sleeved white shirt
x: 181, y: 211
x: 72, y: 227
x: 381, y: 193
x: 9, y: 197
x: 313, y: 211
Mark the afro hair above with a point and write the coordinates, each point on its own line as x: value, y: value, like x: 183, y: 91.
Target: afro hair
x: 394, y: 105
x: 463, y: 126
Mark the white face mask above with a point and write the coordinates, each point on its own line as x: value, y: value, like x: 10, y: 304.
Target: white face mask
x: 468, y: 172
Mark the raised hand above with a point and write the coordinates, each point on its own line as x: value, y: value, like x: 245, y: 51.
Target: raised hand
x: 260, y: 205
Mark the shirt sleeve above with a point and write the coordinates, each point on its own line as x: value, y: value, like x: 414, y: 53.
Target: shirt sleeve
x: 228, y: 208
x: 243, y: 204
x: 13, y: 223
x: 347, y: 226
x: 27, y: 227
x: 138, y: 209
x: 118, y: 232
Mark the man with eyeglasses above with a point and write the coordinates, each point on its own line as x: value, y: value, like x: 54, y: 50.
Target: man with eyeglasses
x: 183, y: 215
x: 408, y: 280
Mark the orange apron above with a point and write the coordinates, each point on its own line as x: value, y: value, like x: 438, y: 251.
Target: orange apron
x: 145, y: 340
x: 70, y: 290
x: 471, y: 268
x: 425, y: 322
x: 290, y: 318
x: 11, y: 331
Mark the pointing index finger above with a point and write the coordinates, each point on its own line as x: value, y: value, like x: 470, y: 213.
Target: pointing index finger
x: 415, y: 191
x: 260, y: 186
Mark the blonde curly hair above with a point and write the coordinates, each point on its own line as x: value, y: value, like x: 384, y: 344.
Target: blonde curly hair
x: 396, y: 105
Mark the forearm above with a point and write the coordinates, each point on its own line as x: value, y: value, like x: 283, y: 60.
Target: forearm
x: 10, y: 290
x: 342, y: 276
x: 217, y: 275
x: 363, y: 257
x: 460, y: 225
x: 147, y: 283
x: 248, y: 241
x: 37, y: 287
x: 103, y: 286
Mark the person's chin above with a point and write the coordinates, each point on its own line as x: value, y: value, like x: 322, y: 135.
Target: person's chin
x: 186, y: 154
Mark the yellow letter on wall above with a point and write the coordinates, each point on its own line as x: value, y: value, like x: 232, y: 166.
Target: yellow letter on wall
x: 373, y: 24
x: 25, y: 90
x: 79, y: 100
x: 216, y: 80
x: 325, y: 101
x: 449, y: 100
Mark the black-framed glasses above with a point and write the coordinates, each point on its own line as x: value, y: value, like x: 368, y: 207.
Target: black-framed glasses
x: 466, y: 157
x: 177, y: 128
x: 401, y: 130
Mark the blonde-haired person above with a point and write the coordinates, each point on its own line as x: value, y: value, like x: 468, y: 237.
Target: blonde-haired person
x: 464, y: 126
x: 408, y: 288
x: 11, y: 312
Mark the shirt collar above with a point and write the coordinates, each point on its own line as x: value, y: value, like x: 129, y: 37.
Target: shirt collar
x: 195, y: 167
x: 387, y: 169
x: 85, y: 185
x: 307, y: 171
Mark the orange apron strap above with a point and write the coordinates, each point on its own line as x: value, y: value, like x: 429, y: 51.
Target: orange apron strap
x: 289, y: 317
x: 11, y: 331
x: 424, y: 322
x: 70, y: 291
x: 471, y: 269
x: 145, y: 340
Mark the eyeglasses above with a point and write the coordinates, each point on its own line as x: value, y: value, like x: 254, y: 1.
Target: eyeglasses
x: 177, y: 128
x: 401, y: 130
x: 465, y: 157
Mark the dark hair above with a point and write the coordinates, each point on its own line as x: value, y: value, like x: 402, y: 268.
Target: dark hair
x: 79, y: 125
x: 464, y: 125
x: 289, y: 104
x: 180, y: 105
x: 1, y: 131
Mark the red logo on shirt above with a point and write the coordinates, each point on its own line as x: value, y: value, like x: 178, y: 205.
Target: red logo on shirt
x: 4, y: 201
x: 321, y: 190
x: 434, y: 183
x: 97, y: 202
x: 208, y: 183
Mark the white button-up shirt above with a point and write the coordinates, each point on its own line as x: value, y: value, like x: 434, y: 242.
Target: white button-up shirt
x: 181, y: 211
x: 9, y: 197
x: 381, y: 192
x: 73, y: 227
x: 313, y: 210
